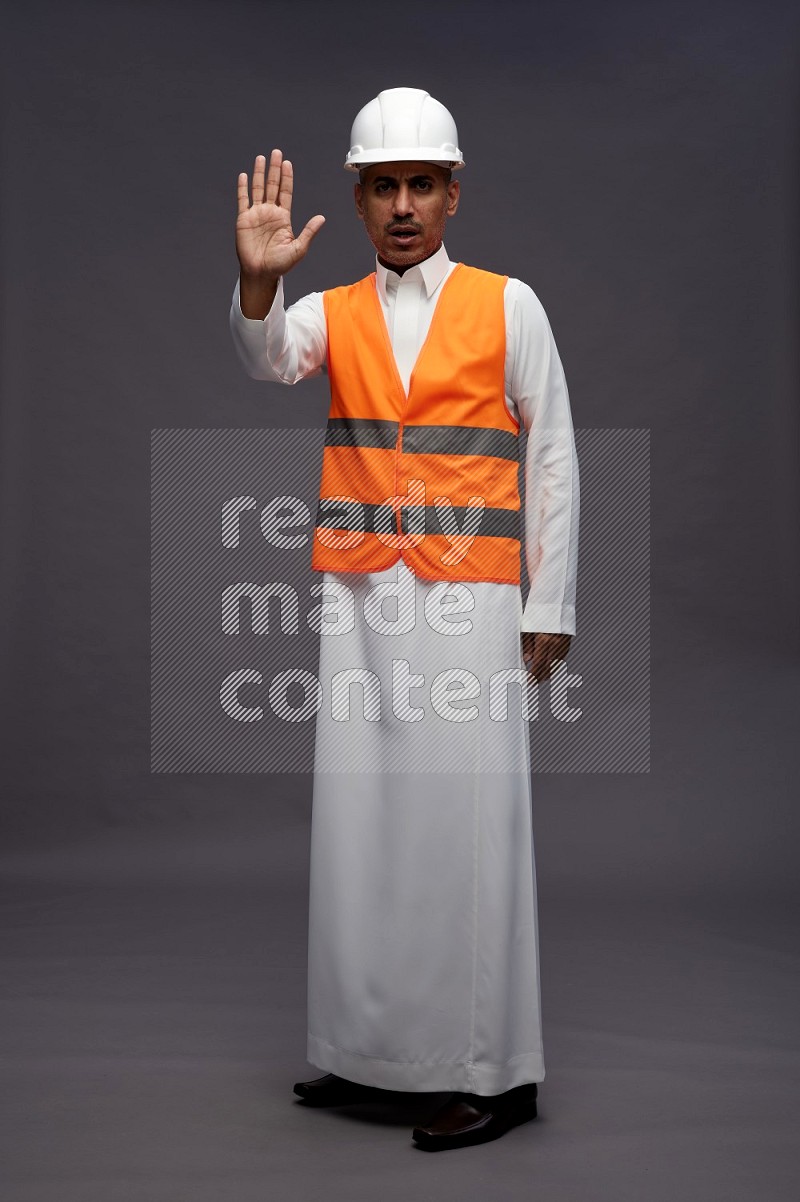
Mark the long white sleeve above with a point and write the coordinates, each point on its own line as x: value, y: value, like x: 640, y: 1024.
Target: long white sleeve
x: 287, y: 345
x: 537, y: 385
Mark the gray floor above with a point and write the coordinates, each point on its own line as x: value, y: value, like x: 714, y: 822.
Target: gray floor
x: 154, y: 1022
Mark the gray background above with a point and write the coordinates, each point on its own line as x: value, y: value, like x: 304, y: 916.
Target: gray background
x: 637, y: 165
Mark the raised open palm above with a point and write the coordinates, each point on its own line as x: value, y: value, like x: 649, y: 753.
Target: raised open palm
x: 265, y: 242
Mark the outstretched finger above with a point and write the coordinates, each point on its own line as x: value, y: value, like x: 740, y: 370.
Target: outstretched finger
x: 242, y: 193
x: 309, y: 232
x: 273, y: 177
x: 286, y: 185
x: 258, y: 179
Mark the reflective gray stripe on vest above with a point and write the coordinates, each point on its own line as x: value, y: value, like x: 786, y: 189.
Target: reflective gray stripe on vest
x: 422, y: 440
x: 460, y: 440
x: 347, y: 515
x: 361, y: 432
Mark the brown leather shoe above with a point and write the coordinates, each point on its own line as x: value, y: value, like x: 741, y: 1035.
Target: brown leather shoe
x: 468, y: 1118
x: 331, y: 1090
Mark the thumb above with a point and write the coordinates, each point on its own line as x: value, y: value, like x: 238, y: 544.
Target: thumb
x: 309, y: 231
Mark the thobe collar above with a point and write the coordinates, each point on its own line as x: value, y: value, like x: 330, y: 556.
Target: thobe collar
x: 430, y: 273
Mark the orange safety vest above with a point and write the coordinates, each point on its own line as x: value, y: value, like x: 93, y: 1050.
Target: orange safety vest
x: 431, y: 476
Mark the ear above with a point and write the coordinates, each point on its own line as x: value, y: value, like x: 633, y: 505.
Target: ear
x: 453, y: 194
x: 358, y: 193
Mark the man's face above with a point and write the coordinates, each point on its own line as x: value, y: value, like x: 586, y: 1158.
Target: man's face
x: 404, y: 207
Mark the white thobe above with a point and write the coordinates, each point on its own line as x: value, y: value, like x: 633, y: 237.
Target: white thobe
x: 423, y: 958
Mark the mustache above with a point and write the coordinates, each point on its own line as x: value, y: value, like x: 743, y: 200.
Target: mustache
x: 399, y: 227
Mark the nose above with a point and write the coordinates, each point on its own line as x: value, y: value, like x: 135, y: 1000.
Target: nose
x: 403, y: 206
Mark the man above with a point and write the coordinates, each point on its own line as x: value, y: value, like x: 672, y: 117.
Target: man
x: 423, y: 933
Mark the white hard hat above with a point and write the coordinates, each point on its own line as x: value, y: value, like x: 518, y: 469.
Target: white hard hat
x: 403, y: 124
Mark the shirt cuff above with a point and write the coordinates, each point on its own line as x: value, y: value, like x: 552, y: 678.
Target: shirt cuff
x: 257, y: 323
x: 259, y: 341
x: 548, y: 619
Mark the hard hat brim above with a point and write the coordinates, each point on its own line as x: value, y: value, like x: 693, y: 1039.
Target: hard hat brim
x: 391, y: 154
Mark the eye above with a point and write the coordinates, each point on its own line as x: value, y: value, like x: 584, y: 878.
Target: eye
x: 381, y: 187
x: 424, y: 185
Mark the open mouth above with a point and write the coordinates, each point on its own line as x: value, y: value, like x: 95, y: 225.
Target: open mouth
x: 403, y: 235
